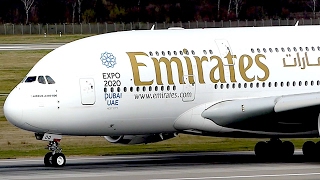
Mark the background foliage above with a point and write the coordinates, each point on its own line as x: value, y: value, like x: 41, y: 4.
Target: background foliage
x: 84, y: 11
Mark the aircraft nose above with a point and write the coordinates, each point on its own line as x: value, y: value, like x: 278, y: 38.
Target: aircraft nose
x: 13, y: 108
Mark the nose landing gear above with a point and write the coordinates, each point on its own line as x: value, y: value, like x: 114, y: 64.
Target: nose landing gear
x: 54, y: 158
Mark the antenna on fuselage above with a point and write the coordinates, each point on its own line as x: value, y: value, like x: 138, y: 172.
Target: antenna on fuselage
x: 297, y: 23
x: 152, y: 28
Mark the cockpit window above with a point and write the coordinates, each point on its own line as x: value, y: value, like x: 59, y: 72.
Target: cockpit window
x: 50, y: 80
x: 41, y: 80
x: 31, y: 79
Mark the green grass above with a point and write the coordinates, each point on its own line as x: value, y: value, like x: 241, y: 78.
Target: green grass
x: 23, y: 39
x: 14, y: 65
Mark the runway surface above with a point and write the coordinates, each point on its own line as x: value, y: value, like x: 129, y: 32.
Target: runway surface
x: 184, y: 166
x: 16, y: 47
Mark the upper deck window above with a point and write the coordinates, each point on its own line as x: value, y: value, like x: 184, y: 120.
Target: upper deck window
x: 31, y: 79
x: 50, y: 80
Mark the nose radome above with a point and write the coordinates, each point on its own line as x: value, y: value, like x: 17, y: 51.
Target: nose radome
x: 13, y: 108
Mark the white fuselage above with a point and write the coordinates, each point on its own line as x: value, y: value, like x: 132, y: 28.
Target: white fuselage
x: 146, y: 82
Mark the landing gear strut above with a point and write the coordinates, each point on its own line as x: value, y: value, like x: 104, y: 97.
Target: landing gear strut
x: 54, y: 158
x: 274, y: 149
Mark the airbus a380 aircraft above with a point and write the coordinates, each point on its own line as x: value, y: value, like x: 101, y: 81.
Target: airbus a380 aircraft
x: 145, y: 86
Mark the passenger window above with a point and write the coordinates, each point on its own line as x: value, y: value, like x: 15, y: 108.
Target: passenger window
x: 41, y: 80
x: 270, y: 49
x: 277, y: 50
x: 50, y: 80
x: 295, y: 49
x: 252, y: 50
x: 31, y: 79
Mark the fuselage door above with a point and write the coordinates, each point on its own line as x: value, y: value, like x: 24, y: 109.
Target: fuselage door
x: 87, y: 90
x: 224, y: 50
x: 189, y: 90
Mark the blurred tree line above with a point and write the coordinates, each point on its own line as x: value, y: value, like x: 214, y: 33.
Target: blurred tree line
x: 85, y: 11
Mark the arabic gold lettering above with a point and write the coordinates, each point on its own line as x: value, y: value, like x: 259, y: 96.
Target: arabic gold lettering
x: 294, y: 60
x: 309, y: 64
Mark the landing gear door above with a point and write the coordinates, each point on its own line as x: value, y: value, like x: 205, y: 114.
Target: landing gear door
x: 189, y: 90
x: 87, y: 90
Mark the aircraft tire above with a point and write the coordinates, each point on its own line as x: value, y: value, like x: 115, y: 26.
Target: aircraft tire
x: 48, y: 159
x: 287, y: 149
x: 260, y: 149
x: 309, y: 149
x: 58, y: 160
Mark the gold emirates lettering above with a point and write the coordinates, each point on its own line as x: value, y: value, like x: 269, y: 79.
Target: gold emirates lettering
x: 245, y: 63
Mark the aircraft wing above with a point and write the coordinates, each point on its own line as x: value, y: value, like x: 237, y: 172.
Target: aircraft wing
x: 291, y: 113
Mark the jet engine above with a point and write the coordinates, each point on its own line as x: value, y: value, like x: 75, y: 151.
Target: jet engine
x: 140, y: 139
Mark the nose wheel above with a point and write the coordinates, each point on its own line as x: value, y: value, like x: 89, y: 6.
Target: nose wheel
x: 54, y: 158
